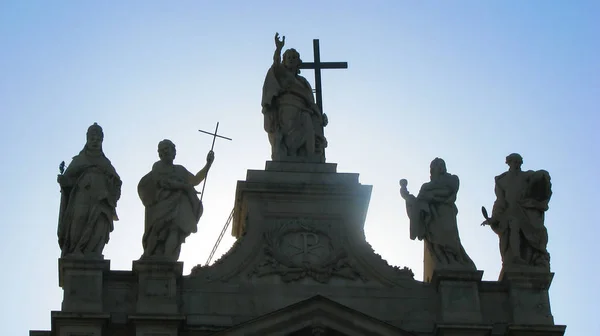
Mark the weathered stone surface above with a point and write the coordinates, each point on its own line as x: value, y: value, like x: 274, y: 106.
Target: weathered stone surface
x: 313, y: 317
x: 301, y: 265
x: 462, y: 330
x: 82, y: 283
x: 173, y: 208
x: 432, y: 215
x: 536, y: 330
x: 298, y: 167
x: 79, y: 324
x: 292, y: 119
x: 157, y: 325
x: 158, y: 283
x: 522, y: 199
x: 459, y: 294
x: 529, y: 298
x: 90, y: 189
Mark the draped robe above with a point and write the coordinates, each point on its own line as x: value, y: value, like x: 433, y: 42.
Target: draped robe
x: 89, y: 196
x: 170, y: 213
x: 291, y: 117
x: 522, y: 198
x: 432, y: 217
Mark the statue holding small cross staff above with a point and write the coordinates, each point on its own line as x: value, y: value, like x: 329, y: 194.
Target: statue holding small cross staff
x: 293, y: 120
x: 173, y: 208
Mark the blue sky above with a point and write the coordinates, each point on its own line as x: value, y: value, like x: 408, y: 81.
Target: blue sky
x: 468, y: 81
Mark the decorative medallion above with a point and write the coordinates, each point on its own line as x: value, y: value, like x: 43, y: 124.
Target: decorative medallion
x: 299, y: 248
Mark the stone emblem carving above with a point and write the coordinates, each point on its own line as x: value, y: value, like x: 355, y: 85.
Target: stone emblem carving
x: 299, y: 248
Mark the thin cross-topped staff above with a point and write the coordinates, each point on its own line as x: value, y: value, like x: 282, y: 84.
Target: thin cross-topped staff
x: 215, y: 136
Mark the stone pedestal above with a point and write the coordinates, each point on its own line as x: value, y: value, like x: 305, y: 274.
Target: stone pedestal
x: 460, y: 306
x: 157, y: 286
x: 302, y: 191
x: 82, y: 283
x: 157, y: 308
x: 529, y: 299
x: 78, y: 324
x: 303, y: 215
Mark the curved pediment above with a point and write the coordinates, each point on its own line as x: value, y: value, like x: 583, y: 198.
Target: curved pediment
x: 294, y: 249
x: 302, y: 221
x: 301, y: 233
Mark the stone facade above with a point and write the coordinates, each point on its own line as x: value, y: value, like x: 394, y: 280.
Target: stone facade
x: 301, y: 266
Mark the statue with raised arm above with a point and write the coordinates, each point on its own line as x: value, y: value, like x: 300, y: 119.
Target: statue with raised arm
x: 522, y: 198
x: 292, y: 119
x: 432, y: 215
x: 90, y: 189
x: 173, y: 208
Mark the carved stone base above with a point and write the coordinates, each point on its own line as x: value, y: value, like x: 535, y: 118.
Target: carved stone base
x: 431, y: 265
x: 298, y: 189
x: 82, y: 283
x: 462, y: 330
x: 459, y: 292
x: 536, y: 330
x: 304, y: 214
x: 77, y: 324
x: 516, y: 268
x: 154, y: 325
x: 157, y: 286
x: 528, y: 292
x: 304, y: 168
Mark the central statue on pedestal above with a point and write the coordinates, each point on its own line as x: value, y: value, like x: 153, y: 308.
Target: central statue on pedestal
x: 292, y: 119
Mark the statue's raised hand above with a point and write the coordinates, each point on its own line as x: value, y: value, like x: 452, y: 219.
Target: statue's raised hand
x: 403, y: 188
x: 279, y: 43
x: 210, y: 157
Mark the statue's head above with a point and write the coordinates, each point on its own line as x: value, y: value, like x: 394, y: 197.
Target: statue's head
x: 94, y: 137
x: 514, y: 161
x: 291, y: 60
x: 437, y: 167
x: 166, y: 150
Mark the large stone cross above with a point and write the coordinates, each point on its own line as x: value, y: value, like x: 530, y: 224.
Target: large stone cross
x: 317, y: 65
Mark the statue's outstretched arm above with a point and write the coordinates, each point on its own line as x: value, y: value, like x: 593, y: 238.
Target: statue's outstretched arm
x: 201, y: 175
x: 278, y: 47
x: 408, y: 197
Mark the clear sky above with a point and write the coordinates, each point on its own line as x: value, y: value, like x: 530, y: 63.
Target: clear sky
x: 468, y: 81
